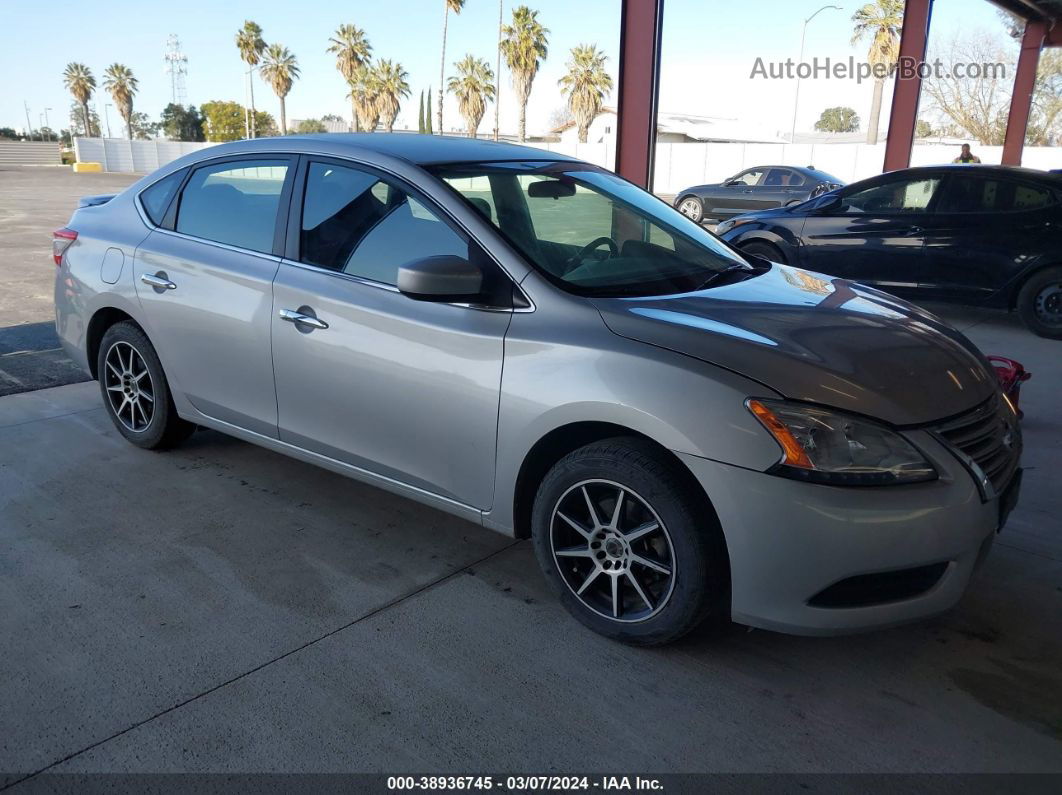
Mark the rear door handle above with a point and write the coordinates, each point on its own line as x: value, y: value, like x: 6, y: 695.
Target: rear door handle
x: 299, y: 318
x: 158, y: 281
x: 914, y: 230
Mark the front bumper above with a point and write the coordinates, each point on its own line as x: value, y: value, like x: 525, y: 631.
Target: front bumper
x: 790, y: 541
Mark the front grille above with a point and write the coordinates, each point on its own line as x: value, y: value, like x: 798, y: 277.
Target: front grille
x: 988, y: 441
x: 880, y: 588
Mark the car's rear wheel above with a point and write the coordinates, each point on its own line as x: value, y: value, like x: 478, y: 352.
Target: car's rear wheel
x: 626, y: 545
x: 692, y: 208
x: 135, y: 391
x: 763, y: 249
x: 1040, y: 303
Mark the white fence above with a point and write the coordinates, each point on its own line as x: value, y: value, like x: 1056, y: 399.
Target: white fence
x: 121, y: 154
x: 678, y: 166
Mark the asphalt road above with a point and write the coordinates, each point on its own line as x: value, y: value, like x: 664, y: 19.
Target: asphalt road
x: 34, y: 201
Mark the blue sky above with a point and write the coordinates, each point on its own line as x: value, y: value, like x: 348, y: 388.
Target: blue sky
x: 709, y: 49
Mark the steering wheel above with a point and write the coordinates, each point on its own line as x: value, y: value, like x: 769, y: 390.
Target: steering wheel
x: 585, y: 251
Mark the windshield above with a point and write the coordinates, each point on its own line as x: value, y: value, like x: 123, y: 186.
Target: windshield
x: 591, y: 232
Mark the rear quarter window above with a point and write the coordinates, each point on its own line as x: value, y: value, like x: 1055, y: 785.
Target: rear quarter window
x: 156, y: 199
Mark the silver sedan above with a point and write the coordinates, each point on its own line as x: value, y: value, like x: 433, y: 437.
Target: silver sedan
x: 532, y: 343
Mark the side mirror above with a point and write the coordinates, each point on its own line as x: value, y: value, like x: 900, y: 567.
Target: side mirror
x: 731, y: 183
x: 828, y: 204
x: 444, y: 278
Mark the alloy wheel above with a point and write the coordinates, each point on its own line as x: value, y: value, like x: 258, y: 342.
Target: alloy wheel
x: 612, y: 550
x: 691, y: 208
x: 130, y: 389
x: 1048, y: 305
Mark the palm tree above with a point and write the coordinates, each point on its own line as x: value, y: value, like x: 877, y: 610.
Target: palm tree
x: 364, y: 97
x: 392, y: 86
x: 586, y: 84
x: 352, y: 51
x: 473, y: 86
x: 250, y: 43
x: 280, y: 69
x: 448, y: 6
x: 119, y: 81
x: 881, y: 21
x: 79, y: 81
x: 524, y: 45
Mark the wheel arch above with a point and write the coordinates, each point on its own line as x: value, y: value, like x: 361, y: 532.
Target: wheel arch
x: 1015, y: 287
x: 102, y: 319
x: 557, y: 443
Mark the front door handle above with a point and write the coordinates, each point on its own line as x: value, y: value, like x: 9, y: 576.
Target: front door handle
x: 299, y: 318
x: 158, y: 280
x: 914, y: 230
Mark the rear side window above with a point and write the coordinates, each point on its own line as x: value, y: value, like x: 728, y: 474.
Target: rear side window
x: 974, y: 194
x: 357, y: 223
x: 156, y: 199
x: 234, y: 203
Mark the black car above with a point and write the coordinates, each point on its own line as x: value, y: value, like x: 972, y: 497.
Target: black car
x: 754, y: 189
x: 978, y: 235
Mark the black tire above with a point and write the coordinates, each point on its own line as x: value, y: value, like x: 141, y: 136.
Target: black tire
x: 152, y: 422
x: 698, y: 586
x: 762, y: 248
x: 695, y: 204
x: 1040, y: 303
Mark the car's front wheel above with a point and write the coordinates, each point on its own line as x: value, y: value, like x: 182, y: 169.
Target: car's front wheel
x: 1040, y: 303
x: 135, y: 391
x: 625, y: 542
x: 692, y: 208
x: 761, y: 248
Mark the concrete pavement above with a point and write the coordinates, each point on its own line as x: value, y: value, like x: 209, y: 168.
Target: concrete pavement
x: 221, y: 608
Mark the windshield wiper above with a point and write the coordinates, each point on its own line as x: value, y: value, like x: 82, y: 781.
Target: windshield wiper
x: 733, y: 268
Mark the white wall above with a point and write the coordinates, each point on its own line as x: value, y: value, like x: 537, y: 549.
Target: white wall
x: 121, y: 154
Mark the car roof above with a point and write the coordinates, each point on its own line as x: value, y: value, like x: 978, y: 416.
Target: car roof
x: 411, y: 147
x: 979, y: 168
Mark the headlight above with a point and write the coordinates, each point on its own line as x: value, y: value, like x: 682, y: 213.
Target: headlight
x: 825, y: 446
x: 726, y: 226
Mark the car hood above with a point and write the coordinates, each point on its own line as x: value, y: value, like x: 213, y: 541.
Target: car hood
x: 820, y: 339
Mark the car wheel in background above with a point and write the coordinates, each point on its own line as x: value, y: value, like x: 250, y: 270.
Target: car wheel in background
x: 135, y: 392
x: 626, y: 543
x: 761, y: 248
x: 1040, y: 303
x: 692, y: 208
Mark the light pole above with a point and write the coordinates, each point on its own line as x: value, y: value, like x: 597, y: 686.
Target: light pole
x: 800, y: 60
x: 46, y: 121
x: 107, y: 116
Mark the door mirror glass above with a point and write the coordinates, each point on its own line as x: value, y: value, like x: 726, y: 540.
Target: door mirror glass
x: 443, y: 278
x: 828, y: 204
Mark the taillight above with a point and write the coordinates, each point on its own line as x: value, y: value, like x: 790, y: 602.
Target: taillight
x: 61, y: 240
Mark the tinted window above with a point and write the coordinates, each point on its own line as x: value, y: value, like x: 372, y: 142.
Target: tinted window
x: 234, y: 203
x: 156, y: 199
x: 354, y: 222
x: 973, y: 194
x: 900, y: 196
x: 783, y: 177
x: 590, y: 231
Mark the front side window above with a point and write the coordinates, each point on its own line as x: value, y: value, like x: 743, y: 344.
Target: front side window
x: 750, y: 177
x: 356, y: 223
x: 892, y: 198
x: 234, y: 203
x: 590, y: 231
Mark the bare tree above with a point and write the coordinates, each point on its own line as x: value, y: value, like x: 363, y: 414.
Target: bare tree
x: 977, y: 105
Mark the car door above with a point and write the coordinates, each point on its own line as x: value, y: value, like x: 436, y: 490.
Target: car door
x: 402, y: 388
x: 778, y: 187
x: 204, y: 280
x: 874, y: 234
x: 986, y: 228
x: 735, y: 195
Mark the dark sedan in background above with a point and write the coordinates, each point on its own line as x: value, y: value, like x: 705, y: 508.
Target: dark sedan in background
x: 979, y: 235
x: 753, y: 189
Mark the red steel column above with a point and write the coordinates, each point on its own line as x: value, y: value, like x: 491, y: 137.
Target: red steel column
x: 908, y: 85
x: 1021, y: 99
x: 639, y: 86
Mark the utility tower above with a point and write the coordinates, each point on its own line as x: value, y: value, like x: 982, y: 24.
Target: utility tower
x: 176, y: 68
